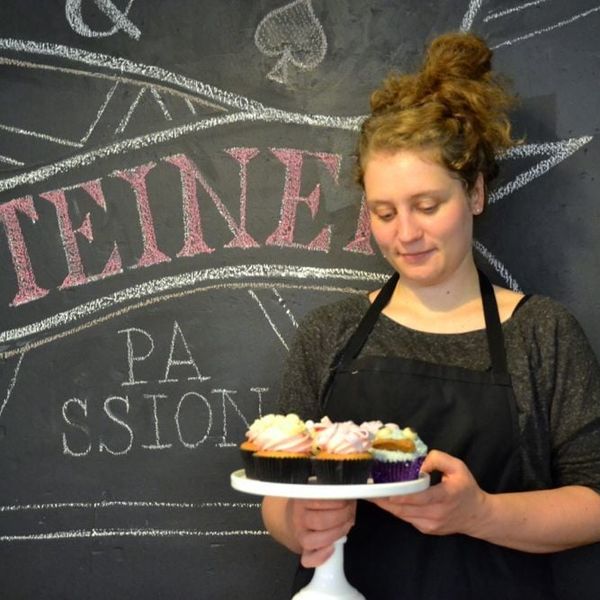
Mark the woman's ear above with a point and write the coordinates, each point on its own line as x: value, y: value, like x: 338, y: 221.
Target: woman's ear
x: 477, y: 195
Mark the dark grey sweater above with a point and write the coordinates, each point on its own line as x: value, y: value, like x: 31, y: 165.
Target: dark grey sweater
x: 555, y: 376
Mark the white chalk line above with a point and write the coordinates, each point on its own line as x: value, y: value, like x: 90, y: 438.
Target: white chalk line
x: 288, y: 312
x: 102, y: 504
x: 547, y: 29
x: 161, y: 103
x: 558, y: 151
x: 158, y: 137
x: 99, y: 114
x: 109, y: 77
x: 469, y: 17
x: 11, y: 161
x: 42, y: 136
x: 184, y: 280
x: 268, y: 318
x: 498, y: 266
x: 123, y: 65
x: 508, y: 11
x: 12, y: 383
x: 135, y: 533
x: 166, y: 297
x: 125, y: 120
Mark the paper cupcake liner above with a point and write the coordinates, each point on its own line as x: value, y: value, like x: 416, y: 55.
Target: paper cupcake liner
x: 343, y: 471
x: 282, y: 470
x: 388, y: 472
x: 248, y: 462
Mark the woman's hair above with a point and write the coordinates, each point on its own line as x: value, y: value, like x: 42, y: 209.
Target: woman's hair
x: 454, y: 106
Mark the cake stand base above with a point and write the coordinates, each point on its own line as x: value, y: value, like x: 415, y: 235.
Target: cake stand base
x: 329, y: 580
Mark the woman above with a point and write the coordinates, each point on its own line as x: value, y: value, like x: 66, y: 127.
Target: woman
x: 504, y: 387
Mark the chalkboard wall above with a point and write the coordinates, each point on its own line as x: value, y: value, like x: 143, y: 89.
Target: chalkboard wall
x: 175, y: 194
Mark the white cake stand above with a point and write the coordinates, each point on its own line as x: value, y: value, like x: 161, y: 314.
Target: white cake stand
x: 329, y: 581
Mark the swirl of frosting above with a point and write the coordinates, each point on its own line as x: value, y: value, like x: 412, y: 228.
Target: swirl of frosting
x: 343, y: 438
x: 284, y: 433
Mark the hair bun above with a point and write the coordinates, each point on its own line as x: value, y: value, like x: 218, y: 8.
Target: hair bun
x: 455, y: 56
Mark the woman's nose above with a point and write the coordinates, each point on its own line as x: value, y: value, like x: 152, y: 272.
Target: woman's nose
x: 408, y: 228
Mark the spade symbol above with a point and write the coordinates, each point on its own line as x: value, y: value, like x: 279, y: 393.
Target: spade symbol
x: 293, y: 33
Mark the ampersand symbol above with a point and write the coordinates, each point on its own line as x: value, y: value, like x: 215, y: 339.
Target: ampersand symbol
x: 119, y: 18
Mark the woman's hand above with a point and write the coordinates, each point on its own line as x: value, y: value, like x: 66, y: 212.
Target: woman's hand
x: 317, y: 524
x: 455, y: 505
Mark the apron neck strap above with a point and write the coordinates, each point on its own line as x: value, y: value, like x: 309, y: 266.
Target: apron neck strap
x: 495, y: 337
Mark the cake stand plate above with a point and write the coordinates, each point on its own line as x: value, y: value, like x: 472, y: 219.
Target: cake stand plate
x: 329, y: 581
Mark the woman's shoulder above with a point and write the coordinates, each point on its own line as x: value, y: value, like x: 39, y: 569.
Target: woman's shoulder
x: 344, y: 312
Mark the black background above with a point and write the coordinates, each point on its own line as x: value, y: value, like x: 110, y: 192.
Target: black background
x: 150, y: 522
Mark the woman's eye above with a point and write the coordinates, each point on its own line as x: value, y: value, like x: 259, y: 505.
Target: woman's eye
x: 385, y: 216
x: 428, y: 209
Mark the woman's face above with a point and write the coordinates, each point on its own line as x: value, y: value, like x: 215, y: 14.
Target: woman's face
x: 421, y: 215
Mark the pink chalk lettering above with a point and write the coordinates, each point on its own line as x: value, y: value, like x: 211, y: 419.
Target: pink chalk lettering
x: 361, y: 243
x: 76, y: 273
x: 243, y: 156
x: 194, y: 240
x: 28, y: 289
x: 293, y: 161
x: 136, y: 177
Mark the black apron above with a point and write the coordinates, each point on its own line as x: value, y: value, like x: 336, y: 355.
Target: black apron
x: 468, y: 414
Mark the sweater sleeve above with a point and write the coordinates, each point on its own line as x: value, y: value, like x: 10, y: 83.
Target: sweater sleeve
x: 574, y: 404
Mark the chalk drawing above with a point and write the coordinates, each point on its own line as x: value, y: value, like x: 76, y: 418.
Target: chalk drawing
x: 91, y: 128
x: 294, y: 33
x: 192, y: 445
x: 157, y: 443
x: 547, y: 29
x: 173, y: 282
x: 190, y: 105
x: 121, y: 126
x: 288, y: 312
x: 472, y: 10
x: 268, y: 318
x: 106, y: 504
x: 508, y: 11
x: 497, y: 265
x: 161, y: 103
x: 113, y: 78
x: 135, y: 533
x: 11, y: 161
x: 227, y: 400
x: 11, y: 385
x: 557, y: 152
x: 118, y: 18
x: 30, y: 345
x: 122, y: 65
x: 42, y: 136
x: 178, y: 334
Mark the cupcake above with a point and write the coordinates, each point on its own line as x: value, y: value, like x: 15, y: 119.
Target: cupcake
x: 341, y: 452
x: 283, y: 451
x: 398, y: 454
x: 249, y: 447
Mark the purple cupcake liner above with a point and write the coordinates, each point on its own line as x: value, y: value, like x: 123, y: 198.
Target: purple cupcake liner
x: 388, y: 472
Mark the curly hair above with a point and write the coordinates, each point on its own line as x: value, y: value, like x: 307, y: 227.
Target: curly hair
x: 454, y: 106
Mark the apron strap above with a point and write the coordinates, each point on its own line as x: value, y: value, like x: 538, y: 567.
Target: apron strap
x: 495, y: 337
x: 493, y: 327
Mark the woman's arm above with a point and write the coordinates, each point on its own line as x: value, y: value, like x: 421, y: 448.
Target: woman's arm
x: 537, y: 521
x: 308, y: 527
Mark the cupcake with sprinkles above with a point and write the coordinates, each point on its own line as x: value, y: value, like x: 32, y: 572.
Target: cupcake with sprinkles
x: 283, y: 452
x: 398, y: 454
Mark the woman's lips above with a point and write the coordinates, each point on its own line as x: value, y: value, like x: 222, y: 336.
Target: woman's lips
x: 416, y: 257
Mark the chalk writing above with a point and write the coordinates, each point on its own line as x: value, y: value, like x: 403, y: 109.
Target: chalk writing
x: 12, y: 383
x: 268, y: 318
x: 99, y: 114
x: 118, y: 18
x: 294, y: 33
x: 508, y: 11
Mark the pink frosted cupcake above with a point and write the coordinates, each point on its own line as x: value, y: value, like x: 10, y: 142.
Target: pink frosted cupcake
x: 342, y: 452
x: 283, y: 451
x: 398, y: 454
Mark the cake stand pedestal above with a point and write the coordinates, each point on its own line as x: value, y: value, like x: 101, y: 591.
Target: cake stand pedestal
x: 329, y: 581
